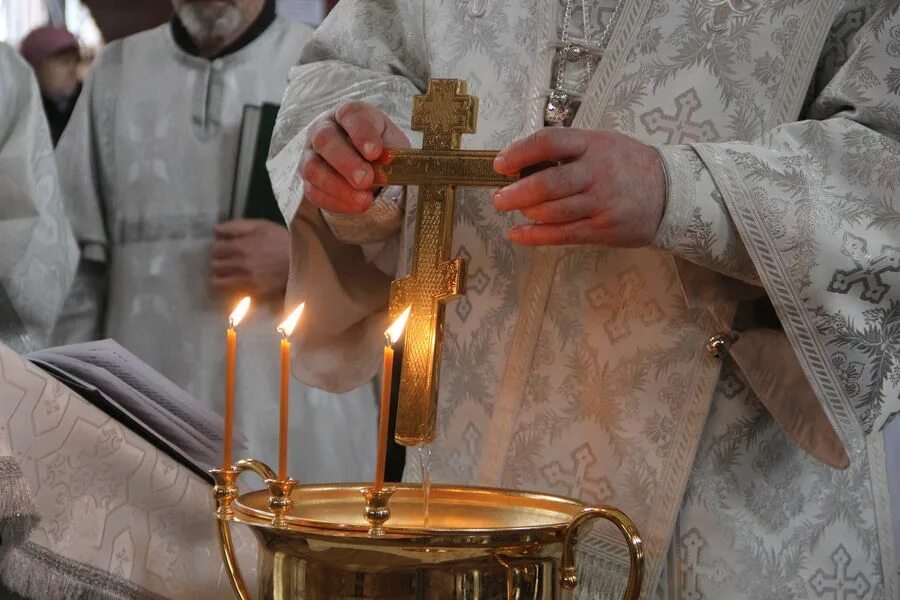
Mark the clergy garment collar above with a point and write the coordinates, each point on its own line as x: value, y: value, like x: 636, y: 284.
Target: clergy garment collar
x: 265, y: 18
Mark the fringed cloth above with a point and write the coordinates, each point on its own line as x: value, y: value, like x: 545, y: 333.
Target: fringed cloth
x: 599, y: 579
x: 18, y: 512
x: 34, y: 572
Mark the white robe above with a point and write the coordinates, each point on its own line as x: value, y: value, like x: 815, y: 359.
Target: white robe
x: 147, y: 165
x: 38, y: 253
x: 582, y: 370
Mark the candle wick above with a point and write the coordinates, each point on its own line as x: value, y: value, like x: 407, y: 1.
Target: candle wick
x: 230, y: 322
x: 387, y: 340
x: 283, y: 333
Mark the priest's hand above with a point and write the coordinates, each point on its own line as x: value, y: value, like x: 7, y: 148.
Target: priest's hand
x: 602, y: 187
x: 251, y: 256
x: 340, y: 146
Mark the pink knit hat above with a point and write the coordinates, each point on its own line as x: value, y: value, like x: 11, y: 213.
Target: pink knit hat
x: 46, y: 41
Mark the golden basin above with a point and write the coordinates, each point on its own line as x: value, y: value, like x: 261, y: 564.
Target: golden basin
x: 316, y: 542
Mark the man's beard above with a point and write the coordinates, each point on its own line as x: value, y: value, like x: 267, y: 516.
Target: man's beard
x: 210, y: 21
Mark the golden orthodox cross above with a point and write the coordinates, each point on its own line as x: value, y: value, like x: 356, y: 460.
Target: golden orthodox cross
x: 443, y: 114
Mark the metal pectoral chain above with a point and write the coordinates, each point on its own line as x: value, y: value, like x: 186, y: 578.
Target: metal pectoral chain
x: 561, y: 102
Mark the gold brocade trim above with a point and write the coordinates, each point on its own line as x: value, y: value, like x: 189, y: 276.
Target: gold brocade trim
x: 596, y: 97
x: 681, y: 191
x: 518, y: 363
x: 776, y: 278
x: 544, y: 261
x: 658, y: 531
x: 524, y: 338
x: 540, y: 279
x: 798, y: 74
x: 798, y: 71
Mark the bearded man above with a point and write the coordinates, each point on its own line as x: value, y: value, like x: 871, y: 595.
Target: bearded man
x: 147, y: 166
x: 709, y: 160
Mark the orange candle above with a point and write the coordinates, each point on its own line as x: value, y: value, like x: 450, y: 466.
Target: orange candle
x: 230, y: 365
x: 390, y: 337
x: 230, y: 361
x: 285, y: 329
x: 385, y: 415
x: 283, y: 423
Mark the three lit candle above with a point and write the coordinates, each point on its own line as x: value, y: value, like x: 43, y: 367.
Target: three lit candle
x: 286, y: 328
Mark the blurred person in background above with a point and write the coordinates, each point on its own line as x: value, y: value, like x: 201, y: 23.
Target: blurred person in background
x: 148, y: 168
x: 38, y: 253
x: 54, y: 55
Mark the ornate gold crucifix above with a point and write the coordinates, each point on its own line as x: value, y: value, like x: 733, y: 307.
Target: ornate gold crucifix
x: 443, y: 114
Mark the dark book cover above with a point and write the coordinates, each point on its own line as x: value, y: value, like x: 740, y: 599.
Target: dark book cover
x: 253, y: 196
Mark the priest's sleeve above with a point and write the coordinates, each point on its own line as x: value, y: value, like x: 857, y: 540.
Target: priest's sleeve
x: 811, y: 212
x: 78, y: 158
x: 374, y: 52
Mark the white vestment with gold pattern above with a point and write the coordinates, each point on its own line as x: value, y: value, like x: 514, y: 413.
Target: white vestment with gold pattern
x: 582, y: 370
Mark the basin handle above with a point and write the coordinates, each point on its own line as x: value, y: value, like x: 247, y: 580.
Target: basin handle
x: 569, y: 574
x: 225, y: 491
x: 231, y: 565
x: 257, y: 466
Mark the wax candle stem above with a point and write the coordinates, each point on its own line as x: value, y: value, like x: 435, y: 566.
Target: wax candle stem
x: 384, y: 417
x: 283, y: 423
x: 230, y: 363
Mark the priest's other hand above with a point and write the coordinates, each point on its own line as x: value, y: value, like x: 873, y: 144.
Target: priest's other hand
x: 251, y: 256
x: 604, y: 188
x: 340, y: 147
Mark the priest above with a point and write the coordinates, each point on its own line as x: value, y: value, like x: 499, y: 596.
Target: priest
x: 38, y: 253
x: 147, y: 165
x: 693, y: 313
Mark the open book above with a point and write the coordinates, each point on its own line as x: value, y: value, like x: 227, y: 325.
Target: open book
x: 126, y: 388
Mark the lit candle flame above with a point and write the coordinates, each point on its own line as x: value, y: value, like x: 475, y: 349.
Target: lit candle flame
x: 239, y: 312
x: 394, y: 332
x: 287, y: 326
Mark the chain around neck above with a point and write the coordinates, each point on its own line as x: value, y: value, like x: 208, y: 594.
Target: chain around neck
x: 566, y: 44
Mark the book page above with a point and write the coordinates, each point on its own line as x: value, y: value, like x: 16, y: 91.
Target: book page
x: 127, y: 385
